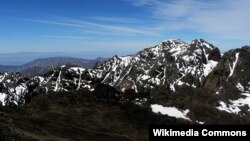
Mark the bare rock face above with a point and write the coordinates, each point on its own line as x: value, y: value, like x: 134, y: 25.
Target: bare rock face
x: 215, y: 55
x: 230, y: 80
x: 233, y: 67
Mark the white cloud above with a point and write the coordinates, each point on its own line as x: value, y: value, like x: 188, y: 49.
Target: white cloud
x: 229, y: 22
x: 224, y: 20
x: 227, y: 19
x: 116, y: 20
x: 65, y: 37
x: 141, y: 2
x: 99, y: 27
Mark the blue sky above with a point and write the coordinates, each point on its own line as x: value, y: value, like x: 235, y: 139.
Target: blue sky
x: 108, y: 27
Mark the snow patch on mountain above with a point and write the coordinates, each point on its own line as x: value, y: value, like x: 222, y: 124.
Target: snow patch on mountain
x: 21, y: 89
x: 234, y: 65
x: 234, y: 106
x: 78, y: 70
x: 2, y: 77
x: 240, y: 87
x: 218, y: 91
x: 200, y: 122
x: 3, y: 96
x: 209, y: 67
x: 58, y: 81
x: 170, y: 111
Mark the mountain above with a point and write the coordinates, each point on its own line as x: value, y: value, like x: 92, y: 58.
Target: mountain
x: 231, y: 81
x: 20, y: 58
x: 58, y: 61
x: 171, y: 63
x: 40, y: 66
x: 174, y: 82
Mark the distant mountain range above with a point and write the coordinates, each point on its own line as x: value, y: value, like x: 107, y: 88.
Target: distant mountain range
x: 42, y: 65
x: 21, y: 58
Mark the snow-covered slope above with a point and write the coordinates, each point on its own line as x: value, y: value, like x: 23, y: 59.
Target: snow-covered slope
x: 66, y: 78
x: 172, y: 63
x: 13, y: 88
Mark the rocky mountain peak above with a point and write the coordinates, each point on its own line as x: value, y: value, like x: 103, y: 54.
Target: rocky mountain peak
x: 167, y: 63
x: 246, y: 48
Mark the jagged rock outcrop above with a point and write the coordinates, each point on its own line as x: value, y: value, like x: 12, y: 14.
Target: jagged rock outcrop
x: 231, y: 80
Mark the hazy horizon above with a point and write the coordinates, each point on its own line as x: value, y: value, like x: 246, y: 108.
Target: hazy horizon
x: 21, y: 58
